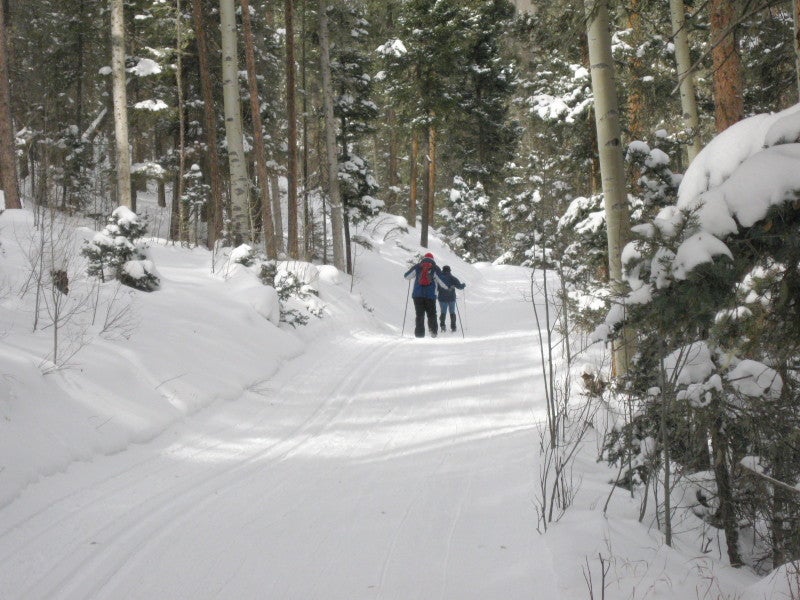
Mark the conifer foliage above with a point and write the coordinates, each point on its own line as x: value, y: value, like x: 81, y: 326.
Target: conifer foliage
x: 466, y: 221
x: 116, y: 252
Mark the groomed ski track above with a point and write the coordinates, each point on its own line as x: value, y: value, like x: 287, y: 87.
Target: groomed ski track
x: 373, y: 466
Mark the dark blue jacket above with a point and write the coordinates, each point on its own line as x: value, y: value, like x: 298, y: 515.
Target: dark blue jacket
x: 424, y: 291
x: 449, y: 282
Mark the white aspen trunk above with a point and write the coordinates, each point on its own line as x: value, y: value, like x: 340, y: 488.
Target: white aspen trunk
x: 240, y: 186
x: 683, y: 62
x: 609, y: 146
x: 337, y: 218
x: 120, y: 100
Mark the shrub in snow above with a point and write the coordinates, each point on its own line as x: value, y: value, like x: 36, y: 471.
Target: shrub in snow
x: 292, y: 290
x: 115, y: 253
x: 243, y: 254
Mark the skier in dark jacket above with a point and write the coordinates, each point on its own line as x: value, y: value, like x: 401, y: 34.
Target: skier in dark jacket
x: 426, y: 275
x: 447, y: 297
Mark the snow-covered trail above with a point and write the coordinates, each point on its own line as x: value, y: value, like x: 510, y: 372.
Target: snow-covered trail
x: 373, y: 466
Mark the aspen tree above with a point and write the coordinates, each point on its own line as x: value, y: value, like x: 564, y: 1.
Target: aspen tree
x: 120, y: 99
x: 609, y: 145
x: 240, y: 196
x: 685, y: 74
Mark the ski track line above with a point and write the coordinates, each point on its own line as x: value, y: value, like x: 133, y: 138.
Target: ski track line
x: 174, y: 499
x: 176, y: 502
x: 159, y: 467
x: 454, y: 522
x: 361, y: 379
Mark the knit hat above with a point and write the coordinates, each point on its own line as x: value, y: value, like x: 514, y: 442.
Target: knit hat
x: 446, y: 268
x: 428, y: 255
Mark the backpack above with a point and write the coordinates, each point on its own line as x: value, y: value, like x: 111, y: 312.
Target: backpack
x: 425, y: 273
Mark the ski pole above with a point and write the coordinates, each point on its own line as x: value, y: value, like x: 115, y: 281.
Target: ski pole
x: 405, y: 312
x: 458, y: 312
x: 465, y: 304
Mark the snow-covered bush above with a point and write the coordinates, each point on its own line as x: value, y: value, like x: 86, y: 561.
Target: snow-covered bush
x: 244, y: 254
x: 298, y: 299
x: 116, y: 253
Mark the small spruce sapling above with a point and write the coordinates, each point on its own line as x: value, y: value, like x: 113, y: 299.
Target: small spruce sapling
x: 114, y: 253
x: 289, y: 286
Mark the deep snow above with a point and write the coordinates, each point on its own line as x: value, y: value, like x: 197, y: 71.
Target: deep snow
x: 202, y: 452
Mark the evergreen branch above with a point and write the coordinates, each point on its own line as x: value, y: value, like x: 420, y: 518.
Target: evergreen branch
x: 772, y: 480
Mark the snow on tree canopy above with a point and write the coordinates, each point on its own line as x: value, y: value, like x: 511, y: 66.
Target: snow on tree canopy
x: 151, y: 105
x: 145, y: 67
x: 392, y: 48
x: 137, y: 269
x: 732, y: 184
x: 689, y: 364
x: 755, y: 379
x: 722, y: 156
x: 768, y: 178
x: 700, y: 248
x: 125, y: 216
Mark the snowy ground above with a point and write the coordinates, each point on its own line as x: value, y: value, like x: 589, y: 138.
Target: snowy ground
x: 213, y: 455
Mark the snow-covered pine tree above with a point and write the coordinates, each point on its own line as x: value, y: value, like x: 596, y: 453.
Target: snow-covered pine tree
x: 466, y: 220
x: 715, y: 277
x: 356, y: 111
x: 116, y: 253
x: 482, y: 136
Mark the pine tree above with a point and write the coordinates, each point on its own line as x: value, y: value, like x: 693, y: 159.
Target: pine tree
x: 355, y: 110
x: 466, y: 217
x: 116, y: 253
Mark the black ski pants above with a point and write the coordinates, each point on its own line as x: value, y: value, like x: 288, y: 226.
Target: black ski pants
x: 425, y: 307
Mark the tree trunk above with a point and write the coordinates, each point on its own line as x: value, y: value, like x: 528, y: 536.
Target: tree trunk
x: 209, y: 125
x: 612, y: 166
x: 8, y: 161
x: 426, y: 182
x: 240, y: 197
x: 726, y: 511
x: 123, y: 154
x: 307, y: 225
x: 291, y: 117
x: 667, y: 393
x: 683, y: 62
x: 392, y: 175
x: 412, y: 196
x: 728, y: 84
x: 183, y: 208
x: 258, y: 135
x: 431, y: 175
x: 275, y: 188
x: 337, y: 216
x: 158, y: 150
x: 636, y: 95
x: 796, y: 19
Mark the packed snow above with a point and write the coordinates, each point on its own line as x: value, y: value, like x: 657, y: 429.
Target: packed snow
x: 194, y: 447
